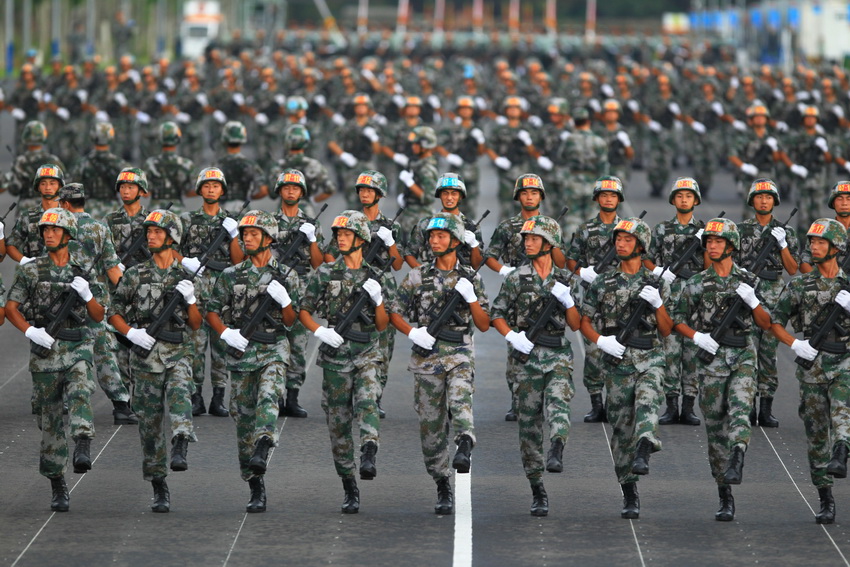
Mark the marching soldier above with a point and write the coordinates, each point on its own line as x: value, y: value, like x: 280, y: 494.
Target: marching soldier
x: 421, y: 175
x: 810, y: 149
x: 244, y: 177
x: 659, y: 114
x: 97, y: 170
x: 620, y: 150
x: 511, y: 149
x: 18, y: 181
x: 25, y: 243
x: 355, y: 142
x: 839, y: 201
x: 461, y: 142
x: 169, y: 174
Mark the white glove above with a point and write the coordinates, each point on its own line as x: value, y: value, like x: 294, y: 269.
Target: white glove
x: 594, y: 105
x: 202, y: 99
x: 401, y: 159
x: 664, y: 274
x: 734, y: 82
x: 838, y: 111
x: 847, y: 166
x: 160, y: 98
x: 328, y: 336
x: 655, y: 126
x: 717, y: 108
x: 588, y: 274
x: 562, y: 294
x: 170, y: 84
x: 120, y: 99
x: 219, y: 117
x: 401, y: 200
x: 607, y: 90
x: 122, y: 267
x: 524, y: 137
x: 778, y: 95
x: 368, y: 74
x: 470, y: 239
x: 141, y: 338
x: 771, y: 141
x: 675, y: 108
x: 277, y: 292
x: 39, y: 336
x: 705, y: 342
x: 749, y: 169
x: 698, y: 234
x: 187, y: 290
x: 386, y: 235
x: 519, y: 341
x: 192, y: 265
x: 820, y: 142
x: 740, y: 126
x: 183, y: 118
x: 370, y: 133
x: 610, y: 345
x: 652, y: 296
x: 465, y: 288
x: 804, y: 350
x: 82, y: 288
x: 633, y: 105
x: 748, y: 294
x: 238, y: 99
x: 434, y: 101
x: 18, y: 114
x: 799, y: 170
x: 101, y: 116
x: 698, y: 127
x: 406, y: 177
x: 320, y: 100
x: 535, y: 121
x: 477, y: 135
x: 779, y: 234
x: 25, y: 260
x: 564, y: 135
x: 2, y: 230
x: 373, y: 288
x: 502, y: 163
x: 230, y: 225
x: 399, y: 100
x: 63, y: 113
x: 782, y: 126
x: 480, y: 103
x: 843, y: 299
x: 262, y: 119
x: 454, y: 160
x: 421, y: 338
x: 143, y: 117
x: 83, y: 95
x: 505, y: 270
x: 348, y: 159
x: 309, y: 231
x: 338, y: 119
x: 234, y: 339
x: 624, y: 139
x: 545, y: 163
x: 501, y: 120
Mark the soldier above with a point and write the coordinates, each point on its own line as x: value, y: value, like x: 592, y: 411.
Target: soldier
x: 18, y: 181
x: 707, y: 117
x: 355, y: 142
x: 809, y: 148
x: 126, y: 223
x: 543, y: 384
x: 620, y: 150
x: 62, y: 372
x: 244, y: 177
x: 727, y: 382
x: 443, y: 379
x: 163, y: 379
x: 199, y: 230
x: 258, y: 375
x: 461, y: 142
x: 548, y: 140
x: 755, y: 233
x: 350, y: 384
x: 839, y: 201
x: 170, y: 174
x: 417, y: 179
x: 659, y: 114
x: 97, y: 170
x: 25, y: 242
x: 669, y: 239
x: 510, y: 148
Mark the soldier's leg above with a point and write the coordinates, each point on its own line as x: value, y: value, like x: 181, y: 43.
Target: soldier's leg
x: 839, y: 404
x: 559, y: 391
x: 336, y: 402
x: 621, y: 416
x: 646, y: 402
x: 739, y: 399
x: 199, y: 341
x: 672, y: 380
x: 459, y: 389
x: 511, y: 370
x: 269, y: 390
x: 658, y: 168
x: 150, y: 407
x: 529, y: 387
x: 593, y: 381
x: 429, y: 398
x: 218, y: 361
x: 106, y: 364
x: 814, y: 410
x: 296, y: 371
x: 768, y: 379
x: 178, y: 396
x: 364, y: 399
x: 712, y: 402
x: 48, y: 395
x: 79, y: 386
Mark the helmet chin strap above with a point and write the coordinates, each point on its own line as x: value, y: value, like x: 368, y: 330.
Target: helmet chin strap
x: 56, y: 248
x: 539, y: 254
x: 608, y: 209
x: 843, y: 214
x: 829, y: 256
x: 727, y: 252
x: 211, y: 201
x: 291, y: 202
x: 530, y: 208
x: 684, y: 211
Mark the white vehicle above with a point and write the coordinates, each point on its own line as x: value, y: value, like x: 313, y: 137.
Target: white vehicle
x: 201, y: 24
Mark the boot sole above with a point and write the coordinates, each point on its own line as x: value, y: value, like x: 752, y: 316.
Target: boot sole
x: 367, y: 475
x: 460, y: 467
x: 257, y: 468
x: 824, y: 521
x: 350, y: 510
x: 554, y: 469
x: 724, y: 518
x: 444, y: 511
x: 539, y: 513
x: 836, y: 474
x: 251, y: 510
x: 179, y: 467
x: 160, y: 509
x: 639, y: 470
x: 630, y: 515
x: 60, y: 508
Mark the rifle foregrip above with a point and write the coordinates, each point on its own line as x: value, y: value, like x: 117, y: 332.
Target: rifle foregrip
x: 802, y: 362
x: 235, y: 352
x: 519, y: 356
x: 705, y: 356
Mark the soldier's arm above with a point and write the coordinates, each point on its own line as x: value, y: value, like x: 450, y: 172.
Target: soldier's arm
x: 119, y: 323
x: 558, y: 258
x: 15, y: 317
x: 587, y: 329
x: 782, y: 334
x: 215, y: 322
x: 14, y: 253
x: 399, y: 323
x: 237, y: 255
x: 95, y: 310
x: 316, y: 256
x: 195, y: 318
x: 761, y: 317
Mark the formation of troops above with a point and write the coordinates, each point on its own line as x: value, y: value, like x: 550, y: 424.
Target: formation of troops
x: 120, y: 284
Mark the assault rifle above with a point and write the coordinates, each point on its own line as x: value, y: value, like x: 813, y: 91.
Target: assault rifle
x: 829, y: 316
x: 377, y: 246
x: 293, y: 256
x: 11, y: 207
x: 723, y: 323
x: 221, y: 236
x: 131, y: 246
x: 768, y: 244
x: 602, y: 263
x: 628, y: 329
x: 685, y: 253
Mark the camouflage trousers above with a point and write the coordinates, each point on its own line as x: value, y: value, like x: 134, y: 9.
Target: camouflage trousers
x: 385, y: 347
x: 680, y: 373
x: 254, y: 407
x: 578, y: 189
x: 296, y: 371
x: 705, y: 158
x: 592, y: 378
x: 202, y: 340
x: 726, y: 396
x: 812, y: 194
x: 632, y: 408
x: 825, y: 410
x: 156, y: 392
x: 544, y: 388
x: 449, y: 390
x: 346, y: 396
x: 661, y: 155
x: 50, y: 392
x: 767, y: 378
x: 115, y: 384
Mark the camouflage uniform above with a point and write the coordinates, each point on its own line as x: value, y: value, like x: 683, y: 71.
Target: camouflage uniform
x: 26, y: 236
x: 425, y: 175
x: 125, y: 229
x: 97, y: 171
x: 618, y: 164
x: 244, y: 178
x: 18, y: 181
x: 802, y: 149
x: 586, y: 158
x: 169, y: 176
x: 417, y: 244
x: 503, y: 140
x: 351, y: 139
x: 755, y: 151
x: 456, y: 139
x: 662, y: 144
x: 318, y: 178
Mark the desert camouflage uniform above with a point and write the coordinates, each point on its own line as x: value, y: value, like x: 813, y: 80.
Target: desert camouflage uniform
x: 169, y: 176
x: 97, y: 171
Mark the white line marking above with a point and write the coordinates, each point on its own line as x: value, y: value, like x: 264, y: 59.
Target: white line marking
x: 631, y: 522
x: 15, y: 375
x: 463, y: 521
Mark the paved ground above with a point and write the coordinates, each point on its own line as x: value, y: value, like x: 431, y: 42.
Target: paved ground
x: 110, y: 521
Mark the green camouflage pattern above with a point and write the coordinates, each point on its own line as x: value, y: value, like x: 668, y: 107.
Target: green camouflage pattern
x: 97, y: 171
x: 25, y: 235
x: 254, y: 407
x: 418, y: 247
x: 18, y: 180
x: 125, y: 229
x: 425, y: 175
x: 169, y: 177
x: 244, y: 178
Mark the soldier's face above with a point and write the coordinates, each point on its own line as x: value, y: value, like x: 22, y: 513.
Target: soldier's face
x: 48, y: 186
x: 684, y: 200
x: 819, y: 246
x: 715, y: 246
x: 625, y: 243
x: 810, y: 121
x: 533, y: 243
x: 345, y: 239
x: 367, y: 195
x: 449, y: 198
x: 290, y: 193
x: 253, y: 238
x: 608, y: 200
x: 513, y: 112
x: 611, y: 116
x: 54, y: 236
x: 529, y: 199
x: 440, y: 240
x: 842, y: 204
x: 465, y: 112
x: 361, y: 110
x: 759, y: 120
x: 212, y: 190
x: 156, y: 237
x: 763, y: 202
x: 128, y: 191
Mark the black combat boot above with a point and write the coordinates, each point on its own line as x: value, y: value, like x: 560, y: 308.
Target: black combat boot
x: 735, y: 471
x: 161, y: 498
x: 753, y: 414
x: 61, y: 500
x: 463, y: 455
x: 511, y: 415
x: 217, y: 407
x: 641, y: 463
x: 367, y: 460
x: 827, y: 506
x: 726, y: 512
x: 597, y: 410
x: 837, y: 467
x: 766, y: 418
x: 351, y: 504
x: 122, y: 414
x: 445, y: 503
x: 687, y: 416
x: 258, y: 494
x: 179, y: 449
x: 198, y: 407
x: 259, y: 459
x: 631, y: 502
x: 671, y: 415
x: 555, y: 460
x: 381, y: 413
x: 539, y: 501
x: 82, y: 457
x: 292, y: 408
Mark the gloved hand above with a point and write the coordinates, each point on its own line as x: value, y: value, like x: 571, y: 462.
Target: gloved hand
x: 238, y: 99
x: 161, y: 98
x: 202, y: 99
x: 219, y: 116
x: 519, y: 341
x: 2, y: 230
x: 847, y: 166
x: 454, y: 160
x: 328, y: 336
x: 309, y: 231
x: 717, y: 108
x: 101, y: 116
x: 624, y: 139
x: 320, y: 100
x: 192, y: 265
x: 82, y: 288
x: 141, y: 338
x: 470, y: 240
x: 804, y: 350
x: 800, y: 171
x: 535, y: 121
x: 734, y: 82
x: 434, y: 101
x: 399, y: 100
x: 748, y: 294
x: 39, y: 336
x: 401, y: 159
x: 261, y: 118
x: 843, y: 299
x: 779, y: 234
x: 545, y: 163
x: 477, y: 135
x: 564, y: 135
x: 401, y: 200
x: 338, y: 119
x: 122, y: 267
x: 481, y: 103
x: 820, y: 142
x: 664, y: 274
x: 633, y: 105
x: 25, y: 260
x: 278, y: 292
x: 524, y: 137
x: 594, y: 105
x: 371, y: 133
x: 505, y: 270
x: 83, y: 95
x: 63, y: 113
x: 610, y: 345
x: 183, y: 118
x: 588, y: 274
x: 501, y: 120
x: 234, y: 339
x: 18, y: 114
x: 675, y: 108
x: 373, y: 288
x: 749, y: 169
x: 607, y: 90
x: 231, y: 226
x: 143, y: 117
x: 652, y: 296
x: 772, y: 143
x: 348, y: 159
x: 655, y: 126
x: 705, y: 342
x: 740, y: 126
x: 562, y: 294
x: 698, y: 127
x: 421, y: 338
x: 187, y: 290
x: 699, y: 233
x: 120, y: 99
x: 502, y: 163
x: 838, y: 111
x: 406, y: 177
x: 465, y: 288
x: 386, y: 235
x: 782, y: 126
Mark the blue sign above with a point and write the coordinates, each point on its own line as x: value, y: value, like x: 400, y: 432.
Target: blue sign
x: 774, y: 18
x: 794, y: 17
x: 755, y: 18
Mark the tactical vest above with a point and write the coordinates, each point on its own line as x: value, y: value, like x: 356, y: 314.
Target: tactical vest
x: 198, y: 236
x: 150, y: 297
x: 125, y: 230
x: 246, y: 295
x: 48, y: 298
x: 431, y: 297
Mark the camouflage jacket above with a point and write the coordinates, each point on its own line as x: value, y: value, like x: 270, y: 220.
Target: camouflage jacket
x: 93, y: 238
x: 668, y: 240
x: 351, y: 139
x: 802, y: 149
x: 751, y: 242
x: 287, y: 231
x: 244, y: 176
x: 316, y: 174
x: 456, y: 139
x: 584, y: 152
x: 397, y: 137
x: 169, y: 176
x: 199, y: 229
x: 506, y: 243
x: 418, y: 247
x: 97, y: 171
x: 503, y: 140
x: 751, y: 149
x: 18, y: 181
x: 616, y: 149
x: 383, y: 256
x: 125, y: 230
x: 426, y: 175
x: 592, y: 240
x: 658, y: 109
x: 25, y: 236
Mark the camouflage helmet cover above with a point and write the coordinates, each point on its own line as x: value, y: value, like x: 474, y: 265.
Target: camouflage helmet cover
x: 210, y: 174
x: 840, y: 188
x: 234, y: 133
x: 297, y: 137
x: 102, y: 133
x: 448, y: 222
x: 291, y: 177
x: 424, y: 136
x: 529, y: 181
x: 167, y: 221
x: 169, y: 133
x: 72, y: 192
x: 637, y: 228
x: 48, y: 171
x: 262, y: 220
x: 132, y: 175
x: 544, y: 226
x: 831, y: 230
x: 372, y: 179
x: 609, y: 183
x: 761, y: 186
x: 724, y: 228
x: 354, y: 221
x: 685, y: 184
x: 35, y: 132
x: 59, y: 217
x: 450, y: 181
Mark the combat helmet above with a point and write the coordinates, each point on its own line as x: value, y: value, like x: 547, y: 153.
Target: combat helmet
x: 760, y: 186
x: 259, y: 219
x: 169, y: 133
x: 724, y: 228
x: 57, y: 216
x: 529, y: 181
x: 831, y: 230
x: 544, y: 226
x: 48, y: 171
x: 234, y: 133
x: 295, y: 104
x: 167, y: 221
x: 424, y: 136
x: 374, y: 180
x: 450, y: 181
x: 34, y: 133
x: 132, y: 175
x: 291, y: 177
x: 840, y: 188
x: 637, y: 228
x: 448, y: 222
x: 72, y: 192
x: 685, y: 184
x: 210, y: 174
x: 355, y: 221
x: 296, y: 137
x: 610, y: 183
x: 102, y: 133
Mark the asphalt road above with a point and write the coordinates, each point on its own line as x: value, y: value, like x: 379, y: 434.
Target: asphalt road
x: 110, y: 521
